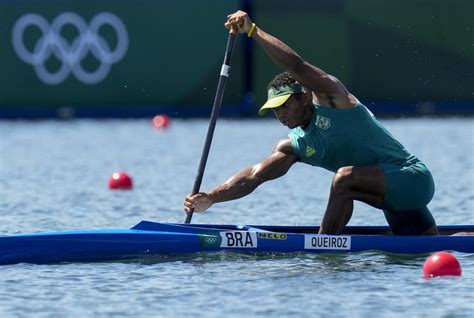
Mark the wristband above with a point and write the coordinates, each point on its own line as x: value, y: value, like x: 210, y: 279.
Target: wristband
x: 252, y: 28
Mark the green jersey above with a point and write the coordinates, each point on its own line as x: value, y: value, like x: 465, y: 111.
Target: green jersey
x: 347, y: 137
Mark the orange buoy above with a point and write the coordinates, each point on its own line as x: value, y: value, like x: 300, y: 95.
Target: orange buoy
x: 442, y: 264
x: 161, y: 122
x: 120, y: 181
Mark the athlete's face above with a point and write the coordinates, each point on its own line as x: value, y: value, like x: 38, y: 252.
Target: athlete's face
x: 296, y: 111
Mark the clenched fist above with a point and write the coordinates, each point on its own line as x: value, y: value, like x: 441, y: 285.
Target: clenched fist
x: 238, y: 22
x: 197, y: 203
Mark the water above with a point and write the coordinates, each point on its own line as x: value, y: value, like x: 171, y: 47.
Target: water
x: 53, y: 176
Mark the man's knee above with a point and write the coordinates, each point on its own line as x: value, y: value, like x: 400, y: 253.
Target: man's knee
x: 343, y: 179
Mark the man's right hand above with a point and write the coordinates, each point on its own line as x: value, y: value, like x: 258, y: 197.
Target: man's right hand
x: 197, y: 203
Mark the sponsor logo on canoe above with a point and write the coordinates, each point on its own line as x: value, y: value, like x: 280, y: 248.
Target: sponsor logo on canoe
x: 323, y: 122
x: 210, y: 240
x: 327, y: 242
x: 238, y: 239
x: 271, y: 236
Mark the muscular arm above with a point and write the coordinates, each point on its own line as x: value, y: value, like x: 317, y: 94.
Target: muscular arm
x: 247, y: 180
x: 329, y: 90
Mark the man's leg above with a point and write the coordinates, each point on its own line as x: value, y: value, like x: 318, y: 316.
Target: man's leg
x: 431, y: 231
x: 366, y: 184
x: 412, y: 222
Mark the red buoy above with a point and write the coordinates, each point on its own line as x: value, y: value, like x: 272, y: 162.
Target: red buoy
x: 442, y: 264
x: 120, y: 181
x: 161, y: 122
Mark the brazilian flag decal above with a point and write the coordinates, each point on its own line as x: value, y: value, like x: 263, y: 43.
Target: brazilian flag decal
x: 323, y: 122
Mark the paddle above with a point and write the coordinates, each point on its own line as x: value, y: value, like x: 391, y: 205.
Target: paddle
x: 215, y: 113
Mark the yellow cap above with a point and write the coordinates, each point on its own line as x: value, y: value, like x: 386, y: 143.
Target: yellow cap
x: 277, y: 96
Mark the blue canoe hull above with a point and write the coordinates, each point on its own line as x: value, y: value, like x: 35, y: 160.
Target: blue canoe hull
x: 149, y: 239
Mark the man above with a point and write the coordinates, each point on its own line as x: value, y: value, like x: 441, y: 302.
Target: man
x: 333, y: 130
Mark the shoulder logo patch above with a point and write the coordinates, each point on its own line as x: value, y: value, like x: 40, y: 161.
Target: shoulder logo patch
x: 323, y: 122
x: 310, y: 151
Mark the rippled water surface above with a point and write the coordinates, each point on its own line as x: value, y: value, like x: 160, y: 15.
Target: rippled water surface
x: 53, y: 176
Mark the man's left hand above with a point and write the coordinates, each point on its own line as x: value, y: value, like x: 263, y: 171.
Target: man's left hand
x: 238, y: 22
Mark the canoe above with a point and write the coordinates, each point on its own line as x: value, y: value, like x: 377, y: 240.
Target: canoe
x: 150, y: 240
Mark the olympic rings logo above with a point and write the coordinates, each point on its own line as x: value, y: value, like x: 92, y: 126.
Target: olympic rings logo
x: 52, y: 43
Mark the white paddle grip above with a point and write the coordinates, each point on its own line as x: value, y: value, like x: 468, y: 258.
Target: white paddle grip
x: 225, y: 70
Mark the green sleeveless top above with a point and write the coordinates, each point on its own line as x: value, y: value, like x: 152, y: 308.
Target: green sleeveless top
x: 347, y: 137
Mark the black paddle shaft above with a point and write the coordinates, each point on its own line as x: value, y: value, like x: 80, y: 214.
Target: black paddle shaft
x: 215, y: 113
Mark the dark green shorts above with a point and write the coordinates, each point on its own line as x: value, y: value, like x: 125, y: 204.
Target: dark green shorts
x: 408, y: 190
